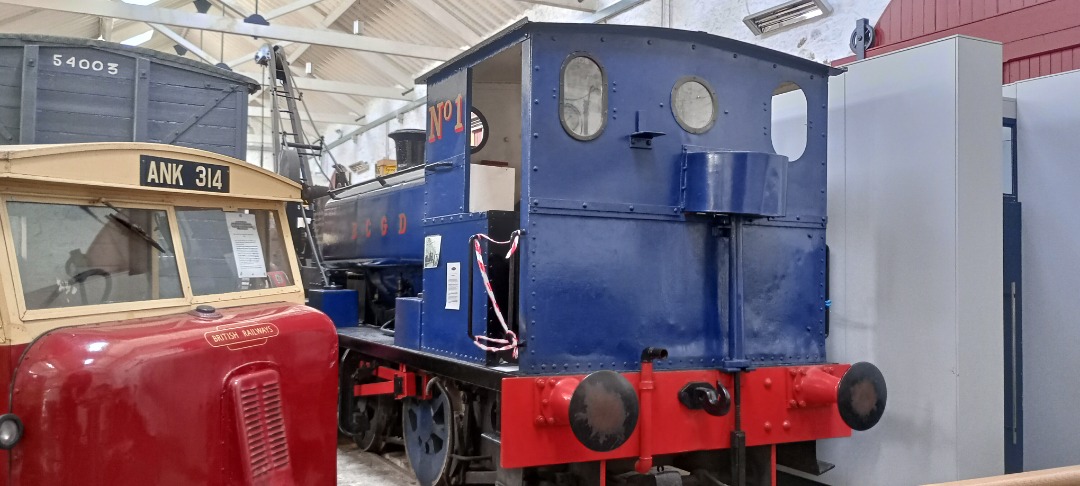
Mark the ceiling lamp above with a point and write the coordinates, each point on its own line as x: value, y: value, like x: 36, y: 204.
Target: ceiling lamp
x: 202, y: 6
x: 785, y: 15
x: 255, y: 18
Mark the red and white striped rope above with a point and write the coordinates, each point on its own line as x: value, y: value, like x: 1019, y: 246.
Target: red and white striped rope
x: 513, y: 241
x: 510, y: 341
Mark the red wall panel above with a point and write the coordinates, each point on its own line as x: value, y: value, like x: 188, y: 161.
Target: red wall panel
x: 1041, y: 65
x: 1039, y: 37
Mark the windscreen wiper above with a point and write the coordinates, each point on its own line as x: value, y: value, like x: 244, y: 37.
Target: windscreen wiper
x: 132, y: 227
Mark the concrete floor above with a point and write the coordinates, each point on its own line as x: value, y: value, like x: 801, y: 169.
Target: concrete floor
x: 356, y: 468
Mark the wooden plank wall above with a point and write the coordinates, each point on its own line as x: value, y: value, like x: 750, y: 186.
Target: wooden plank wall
x: 907, y: 19
x: 1039, y: 37
x: 90, y: 93
x: 1041, y: 65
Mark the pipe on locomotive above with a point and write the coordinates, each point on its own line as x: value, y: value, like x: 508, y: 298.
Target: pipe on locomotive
x: 645, y: 387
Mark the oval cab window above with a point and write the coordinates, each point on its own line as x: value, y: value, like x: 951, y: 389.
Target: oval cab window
x: 789, y: 126
x: 478, y: 131
x: 583, y: 98
x: 694, y: 104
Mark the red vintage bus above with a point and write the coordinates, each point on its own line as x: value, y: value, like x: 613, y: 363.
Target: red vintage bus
x: 152, y: 323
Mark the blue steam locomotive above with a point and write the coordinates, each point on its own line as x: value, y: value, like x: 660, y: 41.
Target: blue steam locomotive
x: 600, y: 271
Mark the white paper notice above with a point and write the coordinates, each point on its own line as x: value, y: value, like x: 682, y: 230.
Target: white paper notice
x: 246, y: 245
x: 432, y: 248
x: 453, y: 285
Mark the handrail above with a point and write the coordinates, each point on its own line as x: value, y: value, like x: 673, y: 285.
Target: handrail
x: 1062, y: 476
x: 382, y: 180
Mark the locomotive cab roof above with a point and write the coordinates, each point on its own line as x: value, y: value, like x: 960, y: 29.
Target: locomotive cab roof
x: 525, y: 29
x: 103, y: 232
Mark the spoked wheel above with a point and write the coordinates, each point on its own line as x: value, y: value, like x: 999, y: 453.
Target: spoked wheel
x: 367, y: 419
x: 431, y: 432
x: 370, y: 420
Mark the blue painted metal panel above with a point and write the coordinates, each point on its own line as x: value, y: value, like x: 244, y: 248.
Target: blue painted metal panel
x: 445, y: 331
x: 784, y: 289
x: 608, y: 170
x: 448, y: 163
x: 612, y: 264
x: 408, y: 320
x: 341, y: 305
x: 351, y: 229
x: 748, y: 183
x: 600, y: 301
x: 605, y: 288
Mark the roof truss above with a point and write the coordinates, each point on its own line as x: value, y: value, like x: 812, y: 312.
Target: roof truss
x: 326, y: 86
x: 377, y: 61
x: 177, y: 18
x: 582, y: 5
x: 328, y: 118
x: 181, y: 40
x: 275, y: 13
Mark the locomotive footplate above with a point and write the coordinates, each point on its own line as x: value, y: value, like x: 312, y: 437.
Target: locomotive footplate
x: 371, y: 341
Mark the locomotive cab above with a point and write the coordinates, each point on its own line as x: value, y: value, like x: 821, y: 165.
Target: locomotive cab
x: 153, y: 326
x: 495, y: 133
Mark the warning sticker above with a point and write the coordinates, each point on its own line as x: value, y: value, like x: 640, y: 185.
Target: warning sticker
x: 453, y: 285
x: 432, y: 248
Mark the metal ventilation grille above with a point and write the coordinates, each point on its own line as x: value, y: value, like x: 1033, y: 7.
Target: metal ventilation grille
x: 261, y: 425
x: 786, y: 15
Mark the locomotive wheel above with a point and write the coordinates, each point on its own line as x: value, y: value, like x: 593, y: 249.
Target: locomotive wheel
x: 367, y: 419
x: 371, y: 419
x: 431, y: 430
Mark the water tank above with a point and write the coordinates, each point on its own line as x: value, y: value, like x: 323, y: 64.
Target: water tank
x: 410, y: 147
x: 62, y: 90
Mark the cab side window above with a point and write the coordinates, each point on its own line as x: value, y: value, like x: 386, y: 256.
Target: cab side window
x: 73, y: 255
x: 583, y: 97
x: 232, y: 251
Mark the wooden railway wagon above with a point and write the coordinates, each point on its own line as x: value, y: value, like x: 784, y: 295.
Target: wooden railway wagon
x: 66, y: 90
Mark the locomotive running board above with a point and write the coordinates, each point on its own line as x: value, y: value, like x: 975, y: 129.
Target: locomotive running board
x: 370, y: 341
